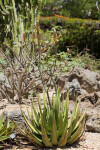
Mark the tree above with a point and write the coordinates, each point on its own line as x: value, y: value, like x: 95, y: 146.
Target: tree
x: 82, y: 8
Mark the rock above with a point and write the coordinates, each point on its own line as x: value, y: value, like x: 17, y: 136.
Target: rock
x: 81, y: 82
x: 15, y: 115
x: 50, y: 84
x: 92, y: 118
x: 39, y: 85
x: 98, y: 102
x: 93, y: 123
x: 83, y: 92
x: 89, y: 81
x: 37, y: 74
x: 93, y: 98
x: 92, y: 115
x: 60, y: 82
x: 74, y: 89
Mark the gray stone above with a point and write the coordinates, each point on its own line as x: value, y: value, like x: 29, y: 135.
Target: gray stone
x: 81, y: 82
x: 15, y: 115
x: 93, y: 124
x: 73, y: 87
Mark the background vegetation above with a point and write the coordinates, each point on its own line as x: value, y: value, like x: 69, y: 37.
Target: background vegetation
x: 18, y: 17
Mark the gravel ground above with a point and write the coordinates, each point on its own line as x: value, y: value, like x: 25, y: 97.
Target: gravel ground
x: 91, y: 141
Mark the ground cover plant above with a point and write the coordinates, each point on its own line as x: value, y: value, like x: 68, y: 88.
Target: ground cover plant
x: 52, y: 126
x: 67, y: 60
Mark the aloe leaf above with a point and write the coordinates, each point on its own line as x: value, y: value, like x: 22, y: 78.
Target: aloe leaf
x: 80, y: 120
x: 63, y: 108
x: 50, y: 120
x: 36, y: 138
x: 60, y: 125
x: 39, y: 105
x: 32, y: 120
x: 37, y: 128
x: 10, y: 128
x: 4, y: 128
x: 29, y: 114
x: 52, y: 103
x: 2, y: 138
x: 46, y: 124
x: 46, y: 106
x: 73, y: 115
x: 35, y: 113
x: 1, y: 121
x: 29, y: 124
x: 65, y: 135
x: 54, y: 131
x: 56, y: 106
x: 8, y: 123
x: 31, y: 137
x: 44, y: 99
x: 21, y: 130
x: 35, y: 141
x: 76, y: 117
x: 78, y: 132
x: 45, y: 138
x: 66, y: 109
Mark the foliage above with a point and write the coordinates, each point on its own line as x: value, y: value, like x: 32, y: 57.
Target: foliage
x: 73, y: 8
x: 18, y: 17
x: 51, y: 7
x: 6, y: 130
x: 67, y: 60
x: 82, y: 8
x: 73, y: 32
x: 52, y: 126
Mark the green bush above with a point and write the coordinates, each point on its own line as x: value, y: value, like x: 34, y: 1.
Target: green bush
x: 74, y: 32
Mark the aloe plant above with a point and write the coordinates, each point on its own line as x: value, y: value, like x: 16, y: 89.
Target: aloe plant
x: 51, y: 126
x: 6, y: 129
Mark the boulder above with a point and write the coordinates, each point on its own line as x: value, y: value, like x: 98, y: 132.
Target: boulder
x: 81, y: 82
x: 92, y: 115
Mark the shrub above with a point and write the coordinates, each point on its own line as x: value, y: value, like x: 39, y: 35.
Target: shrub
x: 75, y: 32
x: 20, y: 69
x: 52, y: 126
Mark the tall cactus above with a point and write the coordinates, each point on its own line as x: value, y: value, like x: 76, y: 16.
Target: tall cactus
x: 20, y: 16
x: 16, y: 20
